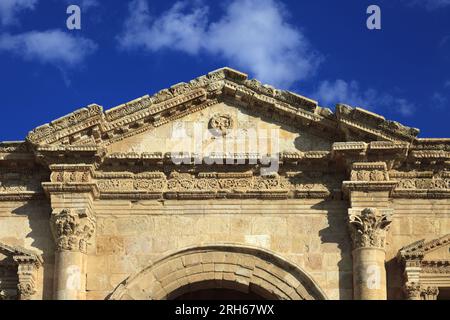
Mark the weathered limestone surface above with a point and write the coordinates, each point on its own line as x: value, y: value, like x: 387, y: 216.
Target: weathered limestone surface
x: 94, y: 206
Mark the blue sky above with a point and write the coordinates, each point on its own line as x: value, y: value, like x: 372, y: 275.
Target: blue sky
x: 321, y: 49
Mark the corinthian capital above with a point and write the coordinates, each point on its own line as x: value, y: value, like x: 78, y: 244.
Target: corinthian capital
x: 412, y: 291
x: 429, y: 293
x: 368, y: 228
x: 72, y: 229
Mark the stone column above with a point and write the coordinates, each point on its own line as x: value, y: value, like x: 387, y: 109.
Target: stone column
x: 72, y: 230
x: 73, y: 224
x: 369, y: 220
x: 368, y: 232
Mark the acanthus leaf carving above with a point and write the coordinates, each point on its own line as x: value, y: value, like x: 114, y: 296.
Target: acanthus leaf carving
x: 72, y: 229
x: 412, y: 291
x: 368, y: 229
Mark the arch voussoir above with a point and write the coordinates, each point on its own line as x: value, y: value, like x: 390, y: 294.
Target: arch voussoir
x: 235, y: 267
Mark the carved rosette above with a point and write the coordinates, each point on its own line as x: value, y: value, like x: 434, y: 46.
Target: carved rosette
x: 221, y: 124
x: 368, y: 229
x: 72, y: 229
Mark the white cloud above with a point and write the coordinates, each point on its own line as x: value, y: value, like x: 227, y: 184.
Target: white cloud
x: 178, y: 28
x: 340, y: 91
x: 439, y: 100
x: 431, y: 4
x: 254, y: 35
x: 10, y: 8
x: 83, y: 4
x: 53, y: 46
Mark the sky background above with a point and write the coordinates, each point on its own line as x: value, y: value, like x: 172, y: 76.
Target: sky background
x: 321, y: 49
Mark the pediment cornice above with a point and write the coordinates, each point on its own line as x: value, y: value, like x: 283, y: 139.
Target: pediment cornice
x: 20, y: 255
x: 92, y: 126
x: 419, y: 249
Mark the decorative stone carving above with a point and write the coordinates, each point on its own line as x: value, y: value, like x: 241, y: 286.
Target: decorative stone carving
x: 368, y: 229
x: 72, y: 229
x: 221, y: 124
x: 27, y: 277
x: 67, y: 173
x: 423, y: 270
x: 3, y: 295
x: 374, y: 124
x: 429, y: 293
x: 436, y: 267
x: 412, y: 291
x: 20, y: 180
x: 72, y: 119
x: 214, y: 184
x: 27, y: 264
x: 371, y: 171
x: 431, y: 184
x: 91, y: 126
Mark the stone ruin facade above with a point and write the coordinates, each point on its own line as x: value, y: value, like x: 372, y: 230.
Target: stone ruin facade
x: 94, y: 205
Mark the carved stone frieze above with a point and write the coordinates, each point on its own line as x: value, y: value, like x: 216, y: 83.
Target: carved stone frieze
x: 21, y: 180
x: 371, y: 171
x: 430, y: 184
x: 296, y: 184
x: 368, y: 228
x: 436, y: 266
x: 70, y: 173
x: 72, y: 229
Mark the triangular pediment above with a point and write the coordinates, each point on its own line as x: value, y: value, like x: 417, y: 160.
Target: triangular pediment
x: 428, y: 250
x: 10, y: 254
x: 222, y: 127
x: 90, y: 127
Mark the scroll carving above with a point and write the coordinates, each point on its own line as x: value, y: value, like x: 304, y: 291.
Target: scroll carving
x: 213, y: 182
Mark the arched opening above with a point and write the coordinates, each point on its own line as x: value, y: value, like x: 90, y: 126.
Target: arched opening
x: 223, y: 271
x: 214, y: 290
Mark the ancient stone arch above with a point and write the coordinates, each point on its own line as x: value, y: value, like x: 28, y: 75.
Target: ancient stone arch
x: 237, y: 267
